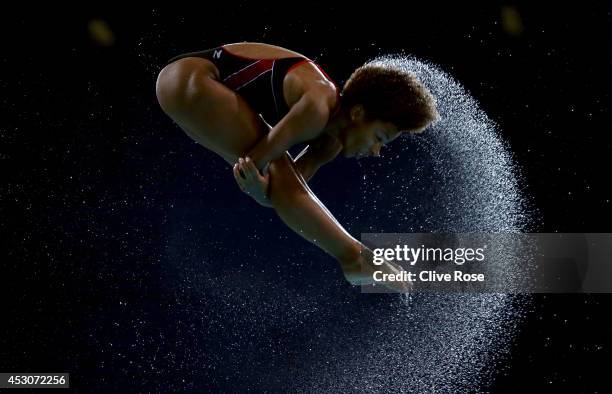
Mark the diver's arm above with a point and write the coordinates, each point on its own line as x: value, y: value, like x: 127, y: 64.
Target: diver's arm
x: 304, y: 121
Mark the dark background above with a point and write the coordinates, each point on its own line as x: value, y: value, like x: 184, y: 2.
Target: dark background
x: 84, y: 147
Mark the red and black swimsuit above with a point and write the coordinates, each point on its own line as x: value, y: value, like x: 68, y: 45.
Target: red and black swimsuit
x: 258, y: 81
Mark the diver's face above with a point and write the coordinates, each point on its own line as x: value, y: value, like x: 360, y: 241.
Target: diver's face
x: 365, y: 137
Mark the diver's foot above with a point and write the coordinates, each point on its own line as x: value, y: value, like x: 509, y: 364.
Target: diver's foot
x: 361, y: 272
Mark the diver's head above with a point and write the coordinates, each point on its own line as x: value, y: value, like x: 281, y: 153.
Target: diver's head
x: 362, y: 136
x: 379, y: 103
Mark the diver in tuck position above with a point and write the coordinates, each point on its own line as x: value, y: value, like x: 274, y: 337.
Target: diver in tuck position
x: 225, y: 98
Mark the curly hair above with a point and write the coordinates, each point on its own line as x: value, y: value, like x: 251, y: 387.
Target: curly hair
x: 391, y: 95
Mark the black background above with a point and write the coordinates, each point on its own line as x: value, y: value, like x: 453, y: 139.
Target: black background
x: 80, y: 128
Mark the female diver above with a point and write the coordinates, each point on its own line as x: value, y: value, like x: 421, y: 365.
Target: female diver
x: 226, y: 98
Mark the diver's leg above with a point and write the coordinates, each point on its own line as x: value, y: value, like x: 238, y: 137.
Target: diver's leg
x: 213, y: 115
x: 301, y: 210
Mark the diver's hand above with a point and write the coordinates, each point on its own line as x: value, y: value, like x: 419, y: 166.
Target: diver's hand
x: 361, y: 270
x: 251, y: 181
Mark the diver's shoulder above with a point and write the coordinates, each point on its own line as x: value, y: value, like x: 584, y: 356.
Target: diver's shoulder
x: 297, y: 84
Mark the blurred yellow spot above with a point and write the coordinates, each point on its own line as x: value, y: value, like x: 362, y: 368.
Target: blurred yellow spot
x: 512, y: 22
x: 100, y: 32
